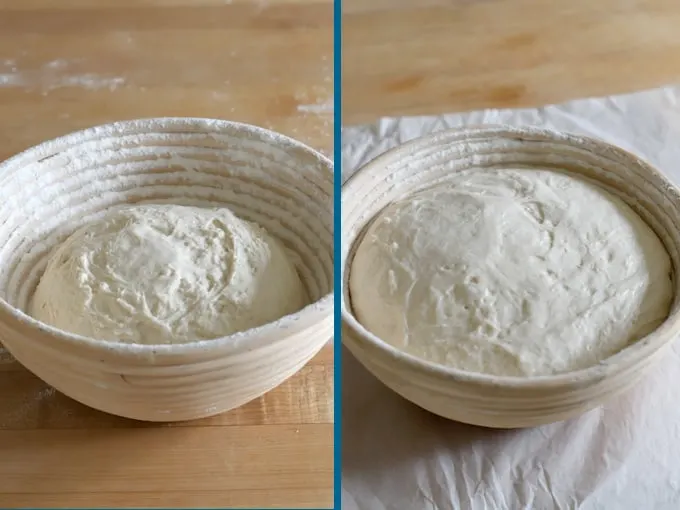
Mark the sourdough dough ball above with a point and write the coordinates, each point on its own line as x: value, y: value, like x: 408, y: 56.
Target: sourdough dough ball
x: 167, y: 274
x: 518, y: 273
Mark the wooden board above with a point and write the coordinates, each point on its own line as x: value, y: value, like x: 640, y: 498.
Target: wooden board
x: 70, y: 64
x: 418, y: 57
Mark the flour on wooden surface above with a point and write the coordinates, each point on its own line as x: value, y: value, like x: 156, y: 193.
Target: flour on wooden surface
x: 28, y: 411
x: 324, y: 107
x: 55, y: 74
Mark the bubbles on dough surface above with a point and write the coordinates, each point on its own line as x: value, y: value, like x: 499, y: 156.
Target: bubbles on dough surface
x: 511, y: 272
x: 167, y: 274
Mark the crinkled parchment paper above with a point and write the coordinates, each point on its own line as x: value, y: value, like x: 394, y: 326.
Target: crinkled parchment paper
x: 625, y: 455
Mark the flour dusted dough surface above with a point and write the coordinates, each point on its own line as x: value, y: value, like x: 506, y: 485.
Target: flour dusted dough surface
x: 166, y: 274
x: 511, y: 272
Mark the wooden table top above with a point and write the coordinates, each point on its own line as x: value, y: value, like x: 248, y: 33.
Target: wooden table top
x: 420, y: 57
x: 71, y: 64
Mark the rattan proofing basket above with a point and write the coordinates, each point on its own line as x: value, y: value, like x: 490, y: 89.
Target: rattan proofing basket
x: 486, y: 400
x: 50, y: 190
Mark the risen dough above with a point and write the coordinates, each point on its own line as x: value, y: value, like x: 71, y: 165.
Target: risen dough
x: 511, y: 272
x: 166, y: 274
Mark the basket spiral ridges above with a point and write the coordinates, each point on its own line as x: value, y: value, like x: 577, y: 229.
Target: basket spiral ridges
x: 51, y: 190
x: 482, y: 399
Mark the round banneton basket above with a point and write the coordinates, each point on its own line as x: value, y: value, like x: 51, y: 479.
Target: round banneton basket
x: 50, y: 190
x: 486, y: 400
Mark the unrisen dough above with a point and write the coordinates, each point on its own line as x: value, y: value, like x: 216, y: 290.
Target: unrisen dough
x: 511, y: 272
x: 167, y: 274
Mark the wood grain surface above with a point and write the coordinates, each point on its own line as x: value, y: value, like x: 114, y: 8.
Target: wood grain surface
x: 71, y: 64
x: 418, y: 57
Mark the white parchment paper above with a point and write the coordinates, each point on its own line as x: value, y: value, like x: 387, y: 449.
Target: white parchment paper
x: 625, y: 455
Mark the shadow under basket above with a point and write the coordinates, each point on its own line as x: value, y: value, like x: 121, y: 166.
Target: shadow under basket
x: 482, y: 399
x: 49, y: 191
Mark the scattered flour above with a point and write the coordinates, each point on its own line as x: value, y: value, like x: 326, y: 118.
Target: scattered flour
x: 28, y: 411
x: 31, y: 402
x: 55, y: 74
x: 317, y: 99
x: 318, y: 108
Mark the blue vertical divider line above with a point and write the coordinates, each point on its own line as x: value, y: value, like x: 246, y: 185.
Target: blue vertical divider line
x: 337, y: 182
